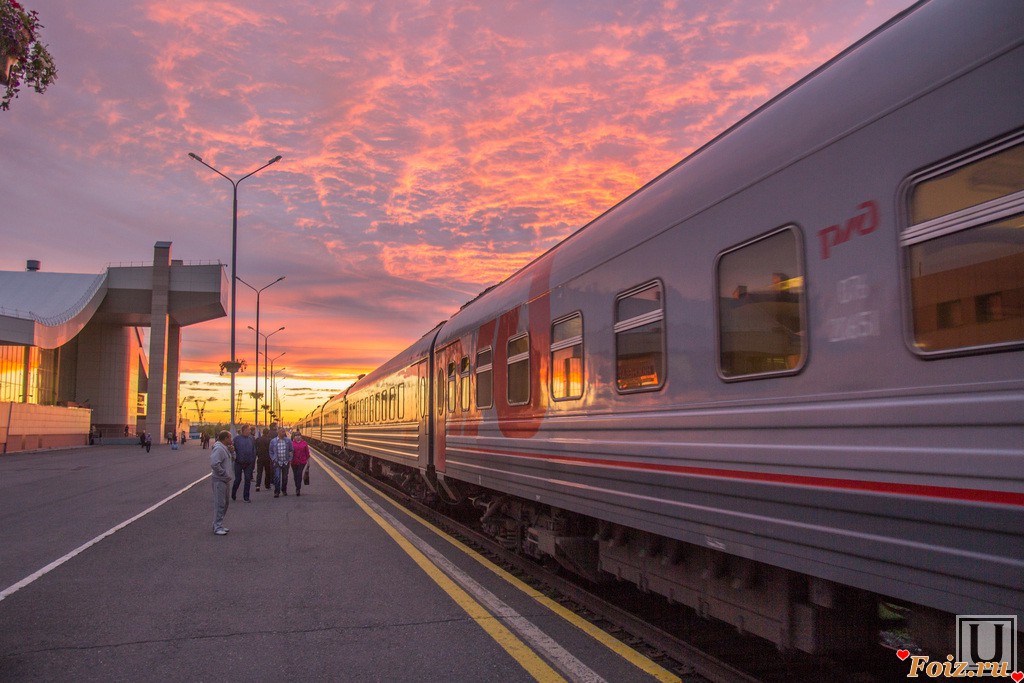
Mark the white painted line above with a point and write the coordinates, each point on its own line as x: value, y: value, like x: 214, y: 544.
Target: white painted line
x: 56, y: 563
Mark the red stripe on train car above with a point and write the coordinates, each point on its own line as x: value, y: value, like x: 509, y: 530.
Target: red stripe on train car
x: 977, y: 495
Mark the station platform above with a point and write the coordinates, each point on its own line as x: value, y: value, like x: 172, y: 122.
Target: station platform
x: 110, y: 571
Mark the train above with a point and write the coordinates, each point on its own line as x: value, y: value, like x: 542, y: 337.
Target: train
x: 782, y: 383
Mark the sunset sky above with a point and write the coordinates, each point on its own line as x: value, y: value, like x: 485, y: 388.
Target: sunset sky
x: 429, y: 148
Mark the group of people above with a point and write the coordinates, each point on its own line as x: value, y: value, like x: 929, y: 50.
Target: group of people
x: 273, y: 454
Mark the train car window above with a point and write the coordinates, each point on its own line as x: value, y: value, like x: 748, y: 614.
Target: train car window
x: 401, y: 400
x: 964, y: 250
x: 761, y: 307
x: 440, y: 391
x: 640, y: 339
x: 453, y: 395
x: 567, y: 358
x: 464, y: 383
x: 519, y: 370
x: 484, y: 375
x: 393, y: 403
x: 421, y: 398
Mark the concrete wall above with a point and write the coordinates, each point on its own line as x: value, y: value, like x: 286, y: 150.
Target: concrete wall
x: 108, y: 376
x: 27, y: 427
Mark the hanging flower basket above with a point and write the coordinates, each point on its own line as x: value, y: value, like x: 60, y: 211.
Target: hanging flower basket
x: 232, y: 367
x: 23, y: 59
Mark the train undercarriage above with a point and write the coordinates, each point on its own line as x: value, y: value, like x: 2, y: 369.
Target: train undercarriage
x: 791, y: 610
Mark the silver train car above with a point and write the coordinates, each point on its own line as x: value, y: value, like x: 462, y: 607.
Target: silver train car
x: 781, y: 383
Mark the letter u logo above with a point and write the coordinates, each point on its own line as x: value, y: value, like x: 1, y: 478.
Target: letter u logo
x: 997, y: 638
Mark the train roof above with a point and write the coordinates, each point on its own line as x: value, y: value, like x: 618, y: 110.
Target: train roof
x: 913, y: 53
x: 417, y: 351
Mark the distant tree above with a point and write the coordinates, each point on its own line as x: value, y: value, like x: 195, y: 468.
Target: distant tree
x: 23, y: 58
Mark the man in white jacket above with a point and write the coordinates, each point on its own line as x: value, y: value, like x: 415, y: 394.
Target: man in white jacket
x: 220, y: 463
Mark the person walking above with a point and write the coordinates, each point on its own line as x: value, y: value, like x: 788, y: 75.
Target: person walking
x: 264, y: 465
x: 220, y: 459
x: 149, y: 441
x: 281, y: 453
x: 300, y: 459
x: 245, y: 459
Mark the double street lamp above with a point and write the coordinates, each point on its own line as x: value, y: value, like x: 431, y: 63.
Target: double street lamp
x: 233, y: 367
x: 266, y: 337
x: 256, y: 377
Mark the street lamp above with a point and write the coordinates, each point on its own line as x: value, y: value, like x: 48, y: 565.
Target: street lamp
x: 256, y: 377
x: 273, y: 388
x: 272, y: 373
x: 265, y: 356
x: 234, y: 261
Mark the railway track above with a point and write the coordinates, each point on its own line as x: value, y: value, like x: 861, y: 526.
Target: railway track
x: 694, y: 648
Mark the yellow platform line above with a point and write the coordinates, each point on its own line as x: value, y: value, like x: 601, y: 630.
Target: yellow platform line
x: 638, y: 660
x: 526, y: 657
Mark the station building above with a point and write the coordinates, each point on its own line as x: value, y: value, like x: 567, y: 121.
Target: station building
x: 74, y: 357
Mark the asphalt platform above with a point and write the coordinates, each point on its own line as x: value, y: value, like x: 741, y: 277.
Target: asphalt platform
x: 110, y: 571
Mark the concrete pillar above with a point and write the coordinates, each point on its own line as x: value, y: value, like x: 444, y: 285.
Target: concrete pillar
x: 103, y: 375
x: 158, y: 333
x: 171, y: 380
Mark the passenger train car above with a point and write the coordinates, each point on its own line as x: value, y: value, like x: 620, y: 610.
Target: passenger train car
x: 781, y: 383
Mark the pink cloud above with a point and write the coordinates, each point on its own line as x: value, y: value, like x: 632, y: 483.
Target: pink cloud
x: 429, y: 150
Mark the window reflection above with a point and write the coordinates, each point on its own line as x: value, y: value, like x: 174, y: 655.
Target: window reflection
x: 640, y: 339
x: 519, y: 370
x: 967, y: 282
x: 567, y: 358
x: 483, y: 378
x: 968, y: 287
x: 761, y: 296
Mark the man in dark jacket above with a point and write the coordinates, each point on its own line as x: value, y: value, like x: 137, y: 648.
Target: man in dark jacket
x: 245, y: 459
x: 264, y: 466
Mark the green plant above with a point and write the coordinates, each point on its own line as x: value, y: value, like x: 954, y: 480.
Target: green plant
x: 23, y: 58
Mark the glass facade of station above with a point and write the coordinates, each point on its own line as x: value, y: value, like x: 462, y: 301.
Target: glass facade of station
x: 28, y: 374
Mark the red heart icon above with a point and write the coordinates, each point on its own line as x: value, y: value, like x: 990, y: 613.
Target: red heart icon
x: 1017, y: 676
x: 903, y: 654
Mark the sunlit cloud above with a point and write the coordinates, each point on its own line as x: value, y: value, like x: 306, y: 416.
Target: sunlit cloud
x: 429, y: 149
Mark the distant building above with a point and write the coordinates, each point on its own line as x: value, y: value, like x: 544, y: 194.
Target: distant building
x: 72, y: 356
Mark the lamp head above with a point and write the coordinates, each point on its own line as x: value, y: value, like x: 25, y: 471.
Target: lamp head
x: 195, y: 156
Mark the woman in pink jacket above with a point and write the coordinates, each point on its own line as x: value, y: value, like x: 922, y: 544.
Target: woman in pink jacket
x: 300, y: 459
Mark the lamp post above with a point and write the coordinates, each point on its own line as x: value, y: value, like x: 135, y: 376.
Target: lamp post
x: 273, y: 388
x: 256, y: 375
x: 234, y: 262
x: 266, y: 375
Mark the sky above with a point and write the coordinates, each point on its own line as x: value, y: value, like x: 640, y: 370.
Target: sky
x: 429, y: 149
